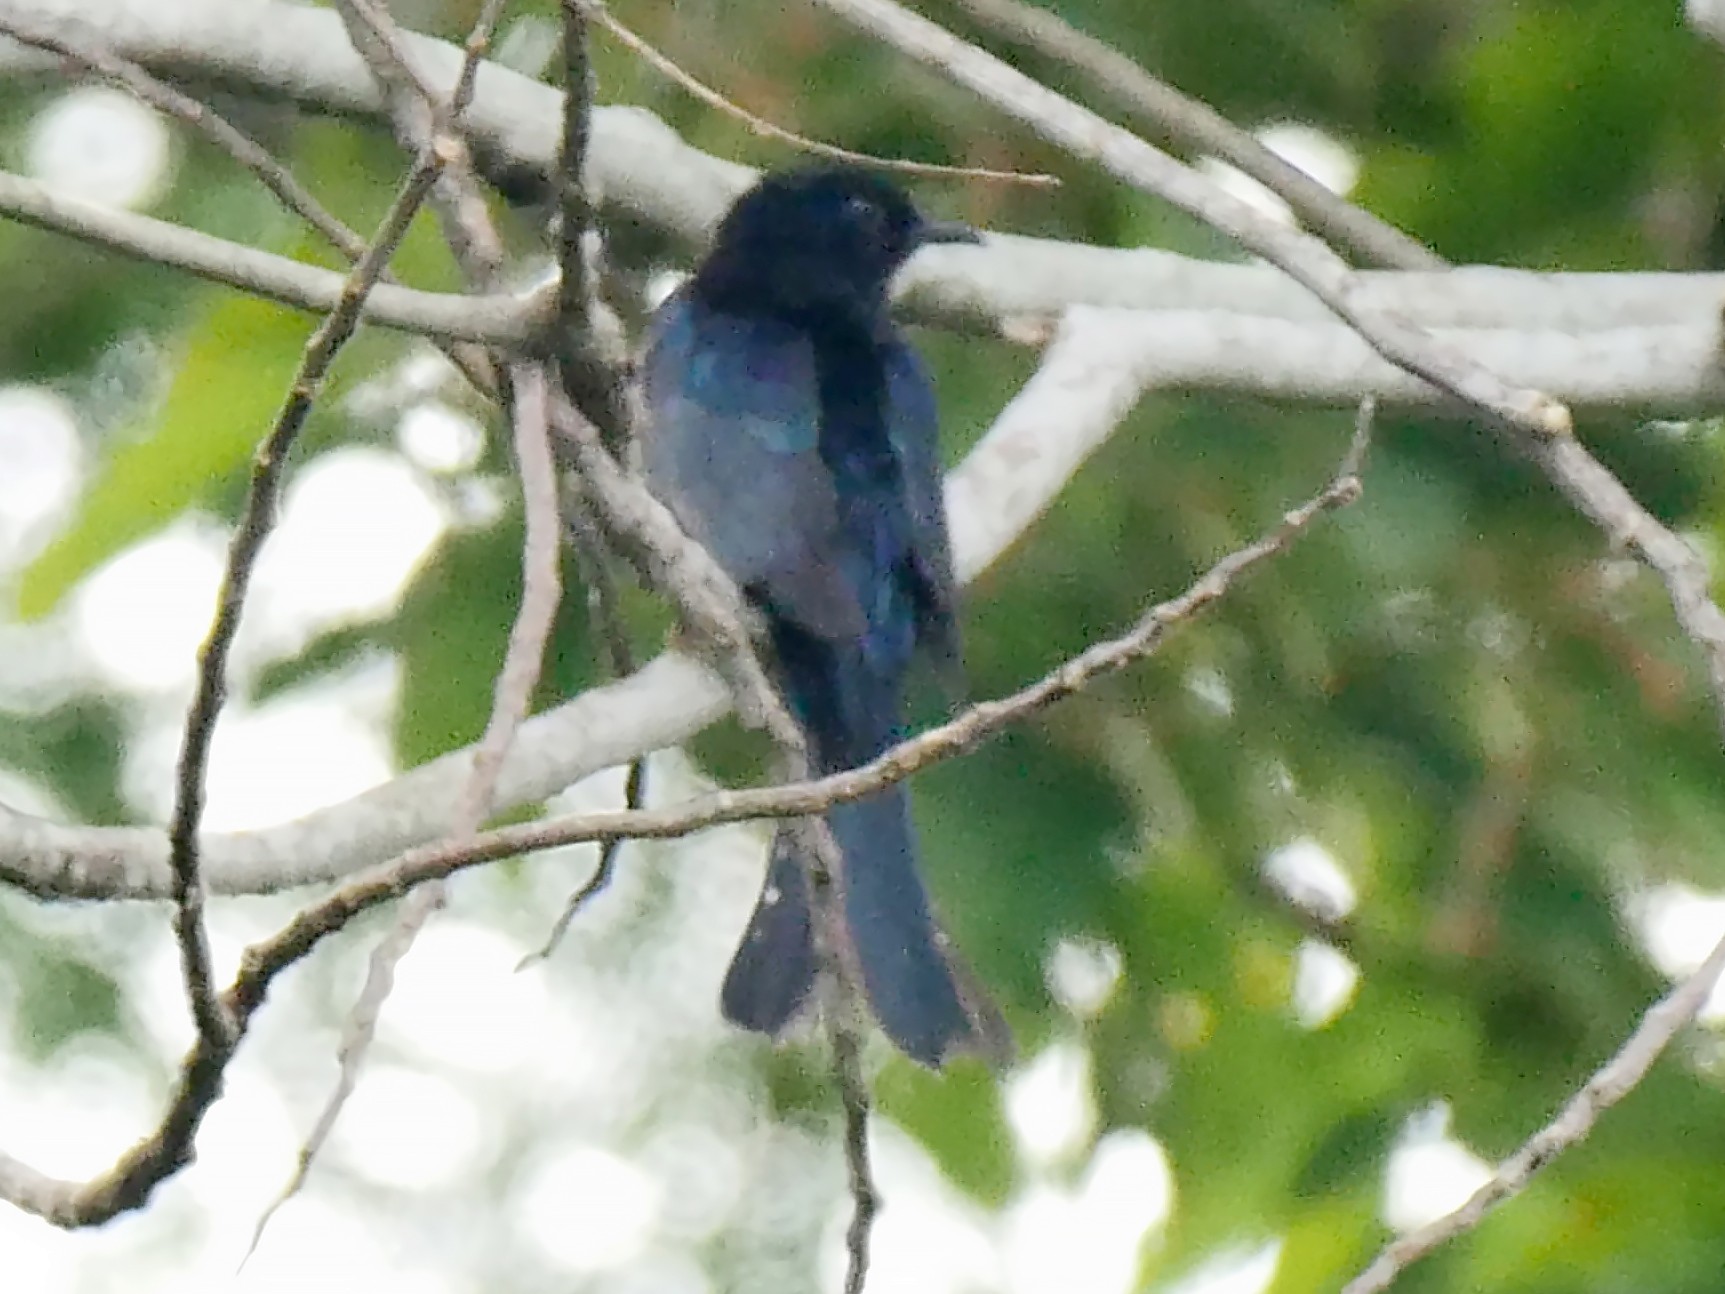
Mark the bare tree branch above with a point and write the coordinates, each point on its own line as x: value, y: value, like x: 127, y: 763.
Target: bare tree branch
x: 591, y: 381
x: 1196, y: 125
x: 499, y: 319
x: 255, y: 524
x: 1614, y: 1080
x: 655, y: 707
x: 541, y: 592
x: 865, y: 1198
x: 422, y: 120
x: 667, y: 68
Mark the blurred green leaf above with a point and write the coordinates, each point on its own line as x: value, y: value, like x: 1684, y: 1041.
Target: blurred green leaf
x: 227, y: 388
x: 958, y: 1116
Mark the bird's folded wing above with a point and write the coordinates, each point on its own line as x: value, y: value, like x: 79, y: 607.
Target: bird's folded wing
x: 732, y: 449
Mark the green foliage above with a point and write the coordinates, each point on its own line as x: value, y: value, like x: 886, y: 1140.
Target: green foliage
x: 227, y: 384
x: 74, y: 747
x: 958, y: 1117
x: 59, y: 996
x: 451, y: 634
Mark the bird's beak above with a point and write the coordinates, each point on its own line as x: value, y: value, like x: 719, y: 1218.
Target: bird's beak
x: 946, y: 231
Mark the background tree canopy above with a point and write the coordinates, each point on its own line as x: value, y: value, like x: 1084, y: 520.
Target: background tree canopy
x: 1411, y: 828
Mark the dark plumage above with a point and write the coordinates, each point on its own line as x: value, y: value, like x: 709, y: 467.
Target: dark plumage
x: 792, y: 432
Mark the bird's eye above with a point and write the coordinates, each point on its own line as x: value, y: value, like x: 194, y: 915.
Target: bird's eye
x: 864, y: 212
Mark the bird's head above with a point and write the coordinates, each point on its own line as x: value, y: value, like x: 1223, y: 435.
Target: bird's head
x: 817, y: 240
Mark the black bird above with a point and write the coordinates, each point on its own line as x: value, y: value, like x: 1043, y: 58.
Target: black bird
x: 792, y: 432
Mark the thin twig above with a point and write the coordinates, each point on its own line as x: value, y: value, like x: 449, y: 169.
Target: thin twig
x: 379, y: 42
x: 865, y: 1198
x: 1608, y: 1085
x: 593, y: 383
x: 255, y: 524
x: 591, y: 353
x: 605, y: 615
x: 576, y: 289
x: 423, y: 123
x: 1197, y: 125
x: 356, y: 1034
x: 541, y: 592
x: 423, y: 120
x: 610, y: 849
x: 660, y: 63
x: 512, y: 694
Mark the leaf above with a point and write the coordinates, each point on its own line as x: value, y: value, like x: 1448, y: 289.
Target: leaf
x: 227, y: 388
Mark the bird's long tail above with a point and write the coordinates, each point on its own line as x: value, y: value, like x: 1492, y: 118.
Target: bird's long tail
x: 925, y: 1001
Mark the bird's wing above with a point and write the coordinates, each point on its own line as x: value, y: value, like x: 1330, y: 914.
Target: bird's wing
x: 916, y: 440
x: 732, y: 449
